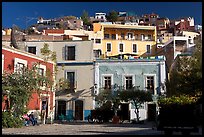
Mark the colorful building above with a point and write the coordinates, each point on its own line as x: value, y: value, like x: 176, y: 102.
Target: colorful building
x: 146, y: 74
x: 75, y: 64
x: 125, y: 39
x: 14, y: 58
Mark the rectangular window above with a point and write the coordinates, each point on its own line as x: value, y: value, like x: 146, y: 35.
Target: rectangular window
x: 69, y: 52
x: 136, y: 37
x: 20, y: 67
x: 130, y: 35
x: 121, y: 47
x: 32, y: 50
x: 98, y: 41
x: 107, y: 82
x: 106, y: 36
x: 142, y: 37
x: 149, y: 37
x: 128, y: 82
x: 97, y: 53
x: 71, y: 80
x: 113, y: 36
x: 108, y: 47
x: 134, y: 48
x: 148, y: 48
x: 122, y: 36
x: 41, y: 73
x: 150, y: 84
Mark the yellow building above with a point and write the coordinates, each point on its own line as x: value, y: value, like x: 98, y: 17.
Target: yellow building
x: 120, y: 39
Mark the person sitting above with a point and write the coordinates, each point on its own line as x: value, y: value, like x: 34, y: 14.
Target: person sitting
x: 32, y: 119
x: 27, y: 119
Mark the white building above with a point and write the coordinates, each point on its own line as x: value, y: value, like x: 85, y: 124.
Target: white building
x: 100, y: 16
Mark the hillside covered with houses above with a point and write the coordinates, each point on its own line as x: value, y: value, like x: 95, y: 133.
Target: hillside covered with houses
x: 109, y: 51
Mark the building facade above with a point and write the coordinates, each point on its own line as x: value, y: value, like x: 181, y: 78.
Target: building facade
x: 12, y: 59
x: 75, y: 64
x: 146, y: 74
x: 126, y: 39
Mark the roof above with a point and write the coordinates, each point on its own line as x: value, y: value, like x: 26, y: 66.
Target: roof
x: 128, y: 26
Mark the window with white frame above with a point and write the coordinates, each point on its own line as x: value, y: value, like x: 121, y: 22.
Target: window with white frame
x: 128, y: 82
x: 19, y: 65
x: 134, y: 48
x: 107, y: 82
x: 121, y: 47
x: 142, y: 37
x: 108, y: 47
x: 148, y: 48
x: 41, y: 69
x: 41, y: 73
x: 150, y: 84
x: 130, y: 35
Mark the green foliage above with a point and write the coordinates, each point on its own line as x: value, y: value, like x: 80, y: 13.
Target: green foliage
x: 45, y: 51
x: 108, y: 99
x: 180, y: 100
x: 62, y: 84
x: 19, y: 87
x: 85, y: 18
x: 138, y: 97
x: 112, y: 16
x: 9, y: 121
x: 186, y: 76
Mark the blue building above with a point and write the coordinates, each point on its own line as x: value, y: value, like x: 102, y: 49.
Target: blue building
x: 146, y: 74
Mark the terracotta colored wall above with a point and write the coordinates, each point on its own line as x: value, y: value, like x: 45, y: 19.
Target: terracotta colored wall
x: 9, y: 66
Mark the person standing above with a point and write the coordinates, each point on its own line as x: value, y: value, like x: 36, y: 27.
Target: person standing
x: 43, y: 114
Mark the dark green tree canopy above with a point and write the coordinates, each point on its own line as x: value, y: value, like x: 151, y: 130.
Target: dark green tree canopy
x: 112, y: 16
x: 186, y: 75
x: 85, y: 18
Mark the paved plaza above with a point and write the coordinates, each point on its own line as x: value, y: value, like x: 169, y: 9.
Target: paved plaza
x: 82, y: 128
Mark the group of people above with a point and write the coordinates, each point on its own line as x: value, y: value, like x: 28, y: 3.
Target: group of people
x: 33, y: 117
x: 30, y: 118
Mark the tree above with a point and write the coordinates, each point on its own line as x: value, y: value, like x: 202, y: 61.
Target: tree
x: 85, y: 18
x: 186, y: 75
x: 107, y: 98
x: 138, y: 97
x: 19, y: 87
x: 112, y: 16
x: 61, y: 84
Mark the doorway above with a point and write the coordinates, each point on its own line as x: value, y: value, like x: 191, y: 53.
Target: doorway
x: 45, y: 101
x: 79, y: 110
x: 61, y: 108
x: 151, y: 112
x: 124, y: 112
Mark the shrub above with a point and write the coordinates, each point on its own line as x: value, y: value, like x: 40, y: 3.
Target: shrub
x: 9, y: 121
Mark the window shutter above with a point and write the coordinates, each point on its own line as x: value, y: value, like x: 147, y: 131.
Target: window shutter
x: 75, y: 50
x: 63, y: 53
